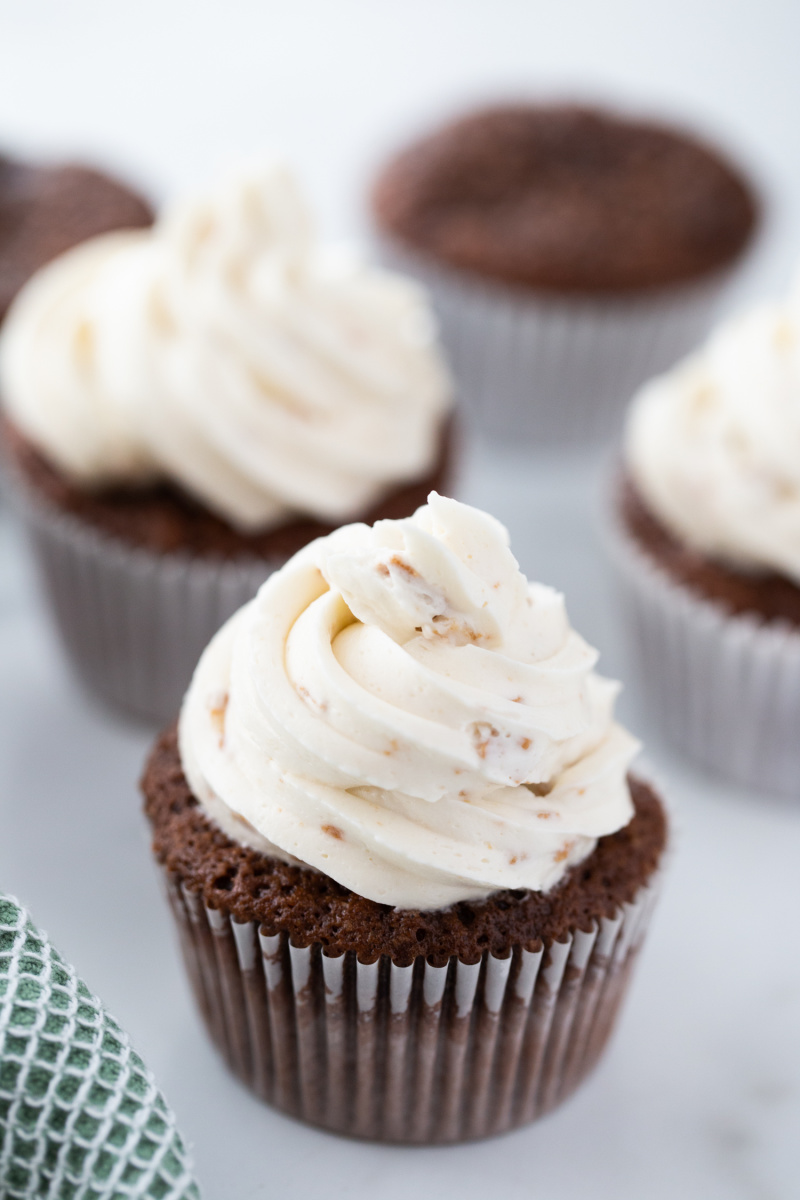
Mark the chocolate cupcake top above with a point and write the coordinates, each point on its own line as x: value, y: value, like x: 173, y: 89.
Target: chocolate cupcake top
x: 44, y: 210
x: 228, y: 351
x: 567, y: 199
x: 400, y: 709
x: 311, y: 907
x: 713, y: 447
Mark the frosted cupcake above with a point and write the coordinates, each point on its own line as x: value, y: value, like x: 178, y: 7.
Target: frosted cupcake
x: 187, y: 406
x: 708, y: 545
x: 409, y: 868
x: 571, y: 253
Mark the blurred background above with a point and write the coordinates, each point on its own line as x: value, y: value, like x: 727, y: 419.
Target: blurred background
x: 700, y: 1097
x: 166, y: 91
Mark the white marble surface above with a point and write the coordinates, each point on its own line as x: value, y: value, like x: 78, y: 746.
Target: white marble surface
x: 699, y: 1096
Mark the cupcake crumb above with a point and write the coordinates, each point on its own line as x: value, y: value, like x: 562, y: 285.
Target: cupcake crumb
x: 321, y: 706
x: 406, y: 568
x: 482, y: 735
x: 217, y: 713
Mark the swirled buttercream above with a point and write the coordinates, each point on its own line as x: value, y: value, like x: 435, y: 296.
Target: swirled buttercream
x: 227, y: 350
x: 714, y: 445
x: 400, y: 709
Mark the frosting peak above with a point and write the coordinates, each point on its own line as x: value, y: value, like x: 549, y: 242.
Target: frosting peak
x: 714, y: 445
x: 230, y: 351
x: 406, y: 687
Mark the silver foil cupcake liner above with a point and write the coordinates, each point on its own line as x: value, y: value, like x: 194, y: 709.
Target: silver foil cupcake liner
x: 418, y: 1053
x: 555, y: 370
x: 133, y: 623
x: 724, y: 689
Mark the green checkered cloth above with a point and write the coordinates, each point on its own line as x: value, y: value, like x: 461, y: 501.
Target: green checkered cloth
x: 80, y: 1115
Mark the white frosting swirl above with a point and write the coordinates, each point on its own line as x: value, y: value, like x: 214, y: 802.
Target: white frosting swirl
x: 226, y: 350
x: 402, y: 710
x: 714, y: 445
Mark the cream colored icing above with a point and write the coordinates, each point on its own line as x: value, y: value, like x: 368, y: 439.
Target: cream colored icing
x: 400, y: 709
x: 714, y: 445
x: 226, y: 349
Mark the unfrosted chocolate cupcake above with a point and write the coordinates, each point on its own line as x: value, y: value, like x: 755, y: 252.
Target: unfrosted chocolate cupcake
x: 410, y: 872
x: 571, y: 252
x: 44, y: 210
x: 188, y: 406
x: 708, y: 544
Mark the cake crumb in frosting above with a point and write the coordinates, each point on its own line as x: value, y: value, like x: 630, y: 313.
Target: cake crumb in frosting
x: 217, y: 714
x: 320, y: 706
x: 482, y: 736
x: 406, y: 568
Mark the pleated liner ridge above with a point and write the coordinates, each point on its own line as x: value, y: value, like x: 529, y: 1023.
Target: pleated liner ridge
x: 724, y: 689
x: 417, y: 1053
x: 555, y: 369
x: 132, y: 623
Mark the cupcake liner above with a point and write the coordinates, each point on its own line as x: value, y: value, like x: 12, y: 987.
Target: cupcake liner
x: 555, y: 369
x: 133, y: 623
x: 725, y: 689
x: 420, y: 1053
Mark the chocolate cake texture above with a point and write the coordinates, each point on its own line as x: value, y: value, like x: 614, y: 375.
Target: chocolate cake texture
x: 568, y: 199
x: 312, y: 908
x: 45, y: 210
x: 766, y: 595
x: 163, y: 519
x: 398, y: 1025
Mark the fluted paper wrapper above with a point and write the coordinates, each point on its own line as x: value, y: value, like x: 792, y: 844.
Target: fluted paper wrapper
x: 550, y: 369
x: 724, y: 689
x: 419, y: 1053
x: 133, y: 623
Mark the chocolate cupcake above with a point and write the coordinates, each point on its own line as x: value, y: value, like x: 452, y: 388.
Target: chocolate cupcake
x: 707, y: 540
x: 187, y: 406
x: 409, y: 869
x: 571, y: 253
x: 45, y: 210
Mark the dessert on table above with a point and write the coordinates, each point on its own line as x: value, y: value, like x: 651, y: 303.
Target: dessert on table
x: 188, y: 405
x: 571, y: 252
x: 707, y: 544
x: 409, y: 865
